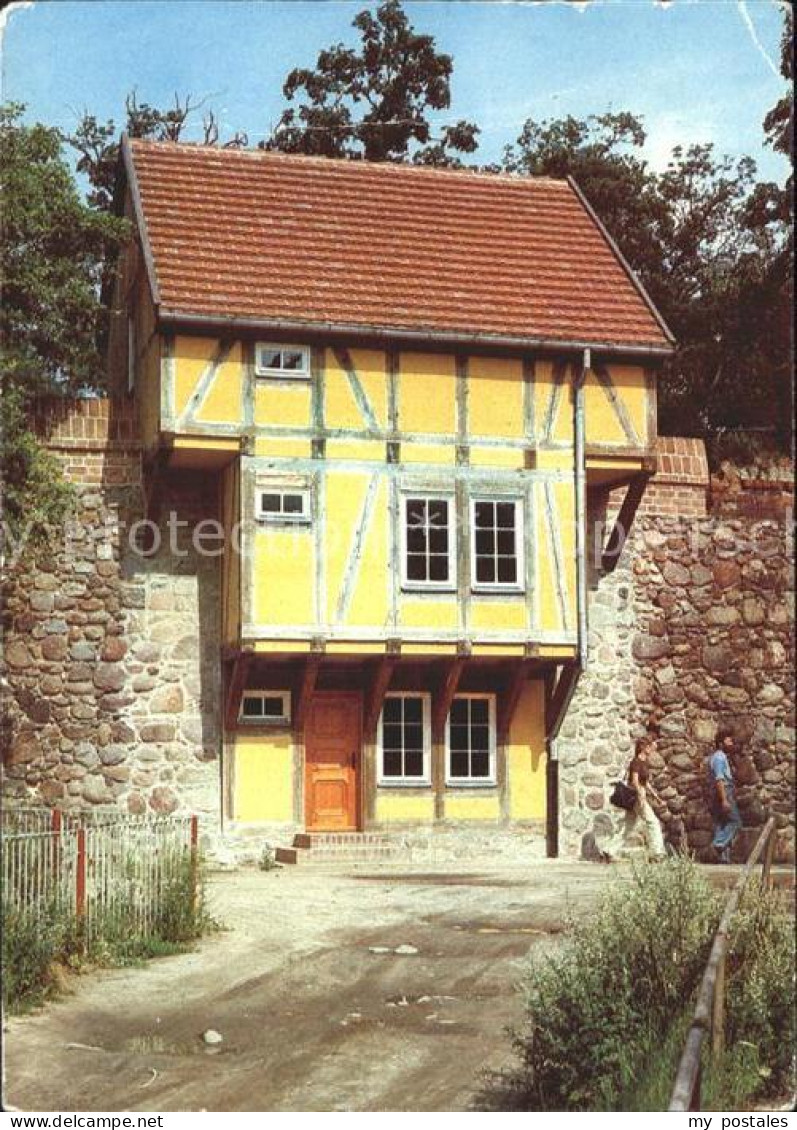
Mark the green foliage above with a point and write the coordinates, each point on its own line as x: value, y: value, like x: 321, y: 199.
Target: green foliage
x: 607, y: 1015
x: 53, y: 251
x: 373, y: 104
x: 595, y: 1008
x: 35, y: 495
x: 32, y: 943
x: 710, y: 247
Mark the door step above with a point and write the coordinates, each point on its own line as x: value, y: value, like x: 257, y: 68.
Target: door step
x: 340, y: 847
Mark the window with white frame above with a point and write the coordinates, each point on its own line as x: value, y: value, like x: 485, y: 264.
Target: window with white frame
x: 428, y: 542
x: 470, y: 741
x: 404, y: 740
x: 267, y: 708
x: 283, y: 505
x: 497, y: 560
x: 291, y: 361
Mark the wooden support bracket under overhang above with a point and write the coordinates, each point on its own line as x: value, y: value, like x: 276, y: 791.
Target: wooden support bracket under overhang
x: 622, y: 524
x: 444, y: 693
x: 375, y: 692
x: 236, y: 683
x: 304, y: 691
x: 559, y: 691
x: 509, y: 697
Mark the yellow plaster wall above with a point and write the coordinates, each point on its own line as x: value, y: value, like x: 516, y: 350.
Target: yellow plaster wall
x: 498, y: 615
x: 283, y: 447
x: 565, y: 508
x: 439, y: 613
x: 427, y: 453
x: 398, y: 808
x: 345, y: 493
x: 224, y: 401
x: 191, y: 356
x: 369, y: 599
x: 472, y: 807
x: 525, y: 755
x: 263, y: 775
x: 495, y: 397
x: 371, y: 450
x: 340, y: 406
x: 283, y: 575
x: 231, y: 562
x: 507, y: 458
x: 427, y: 393
x: 284, y: 403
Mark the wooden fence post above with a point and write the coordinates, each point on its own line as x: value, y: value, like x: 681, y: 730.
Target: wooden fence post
x: 55, y: 828
x: 195, y: 861
x: 718, y: 1010
x: 80, y: 877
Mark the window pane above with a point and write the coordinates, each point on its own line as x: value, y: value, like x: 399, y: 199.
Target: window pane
x: 413, y: 735
x: 506, y: 542
x: 438, y: 568
x: 459, y: 712
x: 391, y: 735
x: 292, y: 359
x: 253, y: 706
x: 391, y: 711
x: 484, y: 515
x: 480, y: 763
x: 458, y: 737
x: 416, y: 512
x: 273, y: 708
x: 271, y: 503
x: 459, y: 763
x: 413, y: 763
x: 416, y: 567
x: 413, y: 709
x: 485, y: 570
x: 505, y: 514
x: 416, y: 539
x: 270, y: 359
x: 479, y: 711
x: 391, y: 766
x: 507, y: 570
x: 485, y: 542
x: 292, y: 504
x: 438, y: 541
x: 479, y: 738
x: 438, y: 513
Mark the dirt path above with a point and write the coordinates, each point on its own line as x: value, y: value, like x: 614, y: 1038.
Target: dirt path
x: 317, y: 1010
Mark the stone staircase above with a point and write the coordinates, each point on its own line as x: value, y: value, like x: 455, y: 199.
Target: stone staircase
x: 330, y: 848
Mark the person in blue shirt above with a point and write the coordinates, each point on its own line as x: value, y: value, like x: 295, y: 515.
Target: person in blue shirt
x: 722, y: 796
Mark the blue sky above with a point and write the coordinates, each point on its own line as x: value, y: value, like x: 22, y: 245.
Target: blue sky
x: 705, y: 70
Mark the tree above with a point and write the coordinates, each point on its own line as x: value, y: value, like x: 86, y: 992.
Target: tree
x: 97, y: 143
x: 51, y: 320
x: 373, y: 103
x: 686, y: 233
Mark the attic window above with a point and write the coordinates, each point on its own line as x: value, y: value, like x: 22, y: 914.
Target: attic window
x: 287, y: 361
x: 269, y: 708
x: 278, y: 505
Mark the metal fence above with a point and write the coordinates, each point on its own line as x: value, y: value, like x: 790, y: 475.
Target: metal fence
x: 113, y: 872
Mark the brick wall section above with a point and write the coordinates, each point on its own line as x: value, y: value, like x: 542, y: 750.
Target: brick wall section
x: 680, y: 486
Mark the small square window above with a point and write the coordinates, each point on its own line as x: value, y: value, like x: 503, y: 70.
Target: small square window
x: 289, y: 506
x: 269, y: 708
x: 291, y: 361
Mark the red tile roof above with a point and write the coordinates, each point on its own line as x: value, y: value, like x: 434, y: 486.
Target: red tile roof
x: 262, y: 238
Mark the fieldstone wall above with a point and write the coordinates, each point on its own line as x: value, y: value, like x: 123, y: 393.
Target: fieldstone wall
x: 111, y: 658
x: 694, y: 628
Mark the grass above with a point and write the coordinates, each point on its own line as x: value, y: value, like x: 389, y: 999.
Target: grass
x: 38, y: 943
x: 607, y: 1014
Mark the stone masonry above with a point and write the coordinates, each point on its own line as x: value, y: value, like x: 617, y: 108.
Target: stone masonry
x: 111, y: 659
x: 112, y: 666
x: 695, y: 627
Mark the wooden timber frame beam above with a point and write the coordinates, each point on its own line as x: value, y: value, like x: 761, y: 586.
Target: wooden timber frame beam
x: 238, y: 674
x: 304, y: 692
x: 558, y: 693
x: 509, y: 697
x: 375, y: 694
x: 444, y: 695
x: 624, y: 520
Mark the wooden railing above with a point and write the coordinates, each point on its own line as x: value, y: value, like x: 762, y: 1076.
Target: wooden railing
x: 710, y: 1007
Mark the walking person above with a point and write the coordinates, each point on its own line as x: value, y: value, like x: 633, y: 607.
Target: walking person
x: 722, y: 795
x: 642, y: 813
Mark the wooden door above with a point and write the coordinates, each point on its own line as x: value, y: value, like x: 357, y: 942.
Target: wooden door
x: 332, y: 758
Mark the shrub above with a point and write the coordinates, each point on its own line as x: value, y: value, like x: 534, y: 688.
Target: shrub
x: 596, y: 1009
x: 32, y: 942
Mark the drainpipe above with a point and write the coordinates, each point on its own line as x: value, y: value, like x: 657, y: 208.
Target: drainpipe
x: 582, y: 640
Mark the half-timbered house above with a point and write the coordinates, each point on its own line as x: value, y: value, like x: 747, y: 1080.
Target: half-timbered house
x: 402, y: 384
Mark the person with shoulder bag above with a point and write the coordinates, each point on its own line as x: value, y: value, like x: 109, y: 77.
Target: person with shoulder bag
x: 633, y: 797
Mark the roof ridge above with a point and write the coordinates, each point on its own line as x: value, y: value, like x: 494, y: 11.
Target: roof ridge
x: 379, y: 167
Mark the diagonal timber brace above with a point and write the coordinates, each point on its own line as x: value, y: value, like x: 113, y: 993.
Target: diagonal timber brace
x: 623, y: 522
